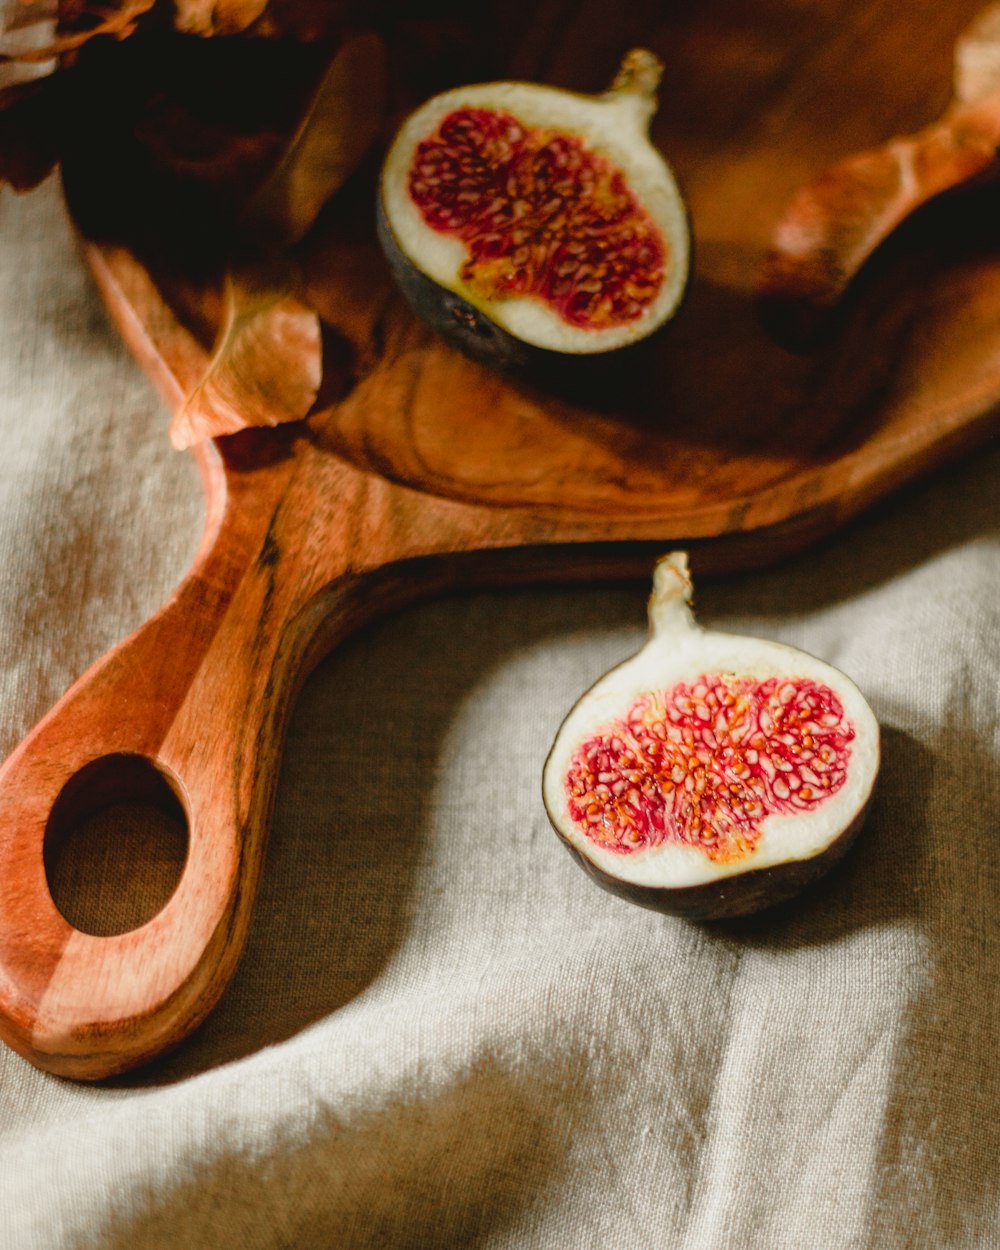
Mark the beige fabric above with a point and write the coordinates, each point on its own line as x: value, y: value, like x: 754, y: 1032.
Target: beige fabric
x: 442, y: 1034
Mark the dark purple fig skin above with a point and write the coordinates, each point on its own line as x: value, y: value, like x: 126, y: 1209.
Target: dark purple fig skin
x: 739, y: 895
x: 452, y: 317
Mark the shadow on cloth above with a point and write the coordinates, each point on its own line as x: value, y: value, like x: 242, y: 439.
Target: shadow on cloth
x: 940, y: 1157
x: 878, y: 881
x: 443, y: 1169
x: 363, y: 750
x: 940, y: 1152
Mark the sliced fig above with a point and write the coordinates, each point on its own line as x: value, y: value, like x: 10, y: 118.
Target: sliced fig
x: 711, y: 775
x: 524, y: 222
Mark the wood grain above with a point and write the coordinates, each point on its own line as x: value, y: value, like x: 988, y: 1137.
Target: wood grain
x: 420, y: 471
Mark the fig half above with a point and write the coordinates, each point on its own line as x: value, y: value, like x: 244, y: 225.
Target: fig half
x: 711, y: 775
x: 524, y: 222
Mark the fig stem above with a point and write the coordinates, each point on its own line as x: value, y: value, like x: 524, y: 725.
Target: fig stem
x: 638, y: 79
x: 670, y: 602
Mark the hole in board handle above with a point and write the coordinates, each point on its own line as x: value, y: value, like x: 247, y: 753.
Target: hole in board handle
x: 115, y: 845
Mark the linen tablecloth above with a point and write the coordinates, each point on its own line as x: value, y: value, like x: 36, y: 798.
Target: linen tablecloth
x: 442, y: 1034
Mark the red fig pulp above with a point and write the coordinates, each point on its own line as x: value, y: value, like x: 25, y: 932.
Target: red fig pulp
x: 542, y: 215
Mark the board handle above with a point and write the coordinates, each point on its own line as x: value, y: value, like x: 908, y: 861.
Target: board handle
x: 192, y: 706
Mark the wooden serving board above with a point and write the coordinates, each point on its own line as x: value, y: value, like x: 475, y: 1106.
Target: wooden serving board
x: 422, y: 471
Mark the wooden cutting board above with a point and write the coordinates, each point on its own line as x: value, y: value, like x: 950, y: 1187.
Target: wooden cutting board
x: 422, y: 471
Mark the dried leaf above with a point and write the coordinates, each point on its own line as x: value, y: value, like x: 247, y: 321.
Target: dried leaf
x: 836, y: 222
x: 85, y: 19
x: 340, y: 125
x: 304, y: 21
x: 216, y: 17
x: 119, y: 22
x: 266, y: 367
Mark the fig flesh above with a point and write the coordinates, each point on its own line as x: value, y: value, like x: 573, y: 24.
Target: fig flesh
x: 523, y: 221
x: 711, y: 775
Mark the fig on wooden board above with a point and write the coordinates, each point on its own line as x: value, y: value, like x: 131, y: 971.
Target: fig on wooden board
x: 711, y: 775
x: 530, y: 225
